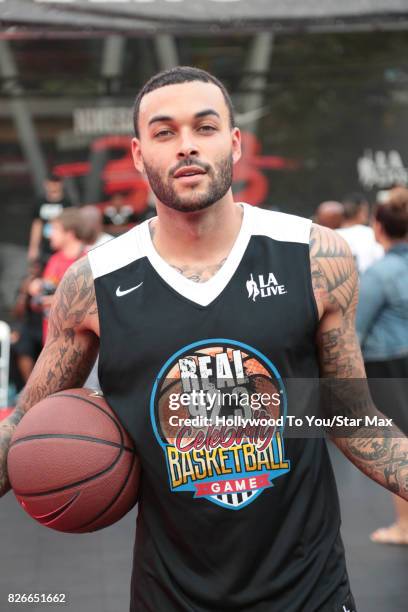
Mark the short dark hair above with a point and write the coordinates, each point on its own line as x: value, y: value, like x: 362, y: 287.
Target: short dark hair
x: 53, y: 178
x: 176, y: 76
x: 393, y: 214
x: 352, y: 204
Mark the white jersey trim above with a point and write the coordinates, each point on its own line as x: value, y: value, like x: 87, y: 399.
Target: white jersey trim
x: 116, y: 253
x: 280, y: 226
x: 137, y: 243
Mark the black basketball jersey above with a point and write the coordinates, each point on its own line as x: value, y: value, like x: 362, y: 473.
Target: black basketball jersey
x: 232, y: 515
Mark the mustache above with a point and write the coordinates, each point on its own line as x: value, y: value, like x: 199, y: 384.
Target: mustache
x: 188, y: 161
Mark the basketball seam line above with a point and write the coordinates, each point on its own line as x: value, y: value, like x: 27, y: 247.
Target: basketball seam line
x: 72, y: 437
x: 73, y: 484
x: 88, y: 401
x: 113, y: 501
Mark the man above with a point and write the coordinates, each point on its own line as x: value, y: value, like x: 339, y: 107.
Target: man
x: 357, y: 234
x: 229, y: 519
x: 118, y: 216
x: 27, y: 333
x: 94, y: 235
x: 329, y: 214
x: 66, y: 239
x: 45, y: 210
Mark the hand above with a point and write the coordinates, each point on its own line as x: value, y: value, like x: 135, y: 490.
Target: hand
x: 47, y: 301
x: 35, y: 287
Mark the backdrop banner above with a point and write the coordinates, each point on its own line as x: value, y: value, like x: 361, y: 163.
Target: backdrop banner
x: 154, y: 15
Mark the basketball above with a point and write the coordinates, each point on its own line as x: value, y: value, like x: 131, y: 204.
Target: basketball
x: 72, y: 465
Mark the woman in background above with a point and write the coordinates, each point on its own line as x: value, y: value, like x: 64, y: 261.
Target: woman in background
x: 382, y: 325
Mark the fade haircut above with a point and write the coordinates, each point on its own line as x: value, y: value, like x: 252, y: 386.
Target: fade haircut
x: 176, y: 76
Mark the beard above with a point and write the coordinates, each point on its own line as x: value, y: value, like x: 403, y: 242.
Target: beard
x: 220, y: 181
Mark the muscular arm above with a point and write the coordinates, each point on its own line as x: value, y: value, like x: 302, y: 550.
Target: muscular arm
x: 381, y: 454
x: 67, y: 356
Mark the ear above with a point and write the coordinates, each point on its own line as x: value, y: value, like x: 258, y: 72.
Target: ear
x: 236, y: 145
x: 137, y: 155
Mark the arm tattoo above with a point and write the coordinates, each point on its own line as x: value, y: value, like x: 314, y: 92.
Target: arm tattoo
x: 6, y: 432
x: 68, y: 355
x: 335, y: 285
x: 384, y: 459
x: 333, y: 270
x: 381, y: 452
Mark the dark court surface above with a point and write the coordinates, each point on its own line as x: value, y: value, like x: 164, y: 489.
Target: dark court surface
x: 94, y: 570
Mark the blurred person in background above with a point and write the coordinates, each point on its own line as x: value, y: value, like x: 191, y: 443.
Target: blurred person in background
x: 93, y: 233
x: 26, y: 338
x: 329, y: 214
x: 355, y: 231
x: 67, y: 240
x: 382, y: 325
x: 45, y: 211
x: 94, y: 236
x: 118, y: 215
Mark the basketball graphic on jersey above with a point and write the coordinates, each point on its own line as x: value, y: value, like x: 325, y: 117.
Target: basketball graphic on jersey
x: 218, y: 409
x: 240, y: 372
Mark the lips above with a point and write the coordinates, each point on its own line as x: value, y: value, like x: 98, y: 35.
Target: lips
x: 189, y: 171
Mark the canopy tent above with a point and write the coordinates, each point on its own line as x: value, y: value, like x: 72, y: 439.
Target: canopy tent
x: 133, y: 17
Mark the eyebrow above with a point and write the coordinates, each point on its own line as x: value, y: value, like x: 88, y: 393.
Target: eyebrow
x: 207, y: 111
x: 164, y: 118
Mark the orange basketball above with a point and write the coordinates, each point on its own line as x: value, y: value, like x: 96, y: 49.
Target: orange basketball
x: 72, y: 465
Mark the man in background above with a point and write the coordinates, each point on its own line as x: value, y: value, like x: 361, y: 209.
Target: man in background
x: 119, y: 216
x: 329, y: 214
x: 94, y: 235
x: 356, y: 232
x: 67, y: 240
x: 382, y: 327
x: 26, y: 337
x: 45, y: 211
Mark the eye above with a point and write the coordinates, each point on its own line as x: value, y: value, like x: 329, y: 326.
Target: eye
x: 163, y: 133
x: 207, y: 128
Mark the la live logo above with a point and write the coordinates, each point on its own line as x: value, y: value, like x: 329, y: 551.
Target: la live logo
x: 264, y: 286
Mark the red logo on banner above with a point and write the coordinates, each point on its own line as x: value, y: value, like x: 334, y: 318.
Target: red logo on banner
x: 249, y: 170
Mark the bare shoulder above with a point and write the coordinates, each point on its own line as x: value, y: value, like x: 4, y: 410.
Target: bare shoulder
x: 334, y: 274
x: 74, y: 304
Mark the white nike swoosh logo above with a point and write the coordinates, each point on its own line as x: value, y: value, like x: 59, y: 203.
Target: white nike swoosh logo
x: 119, y: 293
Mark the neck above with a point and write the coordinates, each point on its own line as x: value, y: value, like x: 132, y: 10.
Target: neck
x: 73, y: 249
x: 204, y: 236
x: 388, y: 243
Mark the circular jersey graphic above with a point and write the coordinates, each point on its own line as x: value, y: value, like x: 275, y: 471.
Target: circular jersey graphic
x: 218, y: 410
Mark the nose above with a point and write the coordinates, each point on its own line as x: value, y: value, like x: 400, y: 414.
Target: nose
x: 187, y: 147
